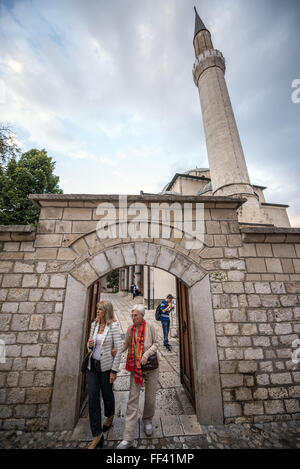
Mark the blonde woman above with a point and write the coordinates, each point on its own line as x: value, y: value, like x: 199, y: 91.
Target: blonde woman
x: 102, y: 369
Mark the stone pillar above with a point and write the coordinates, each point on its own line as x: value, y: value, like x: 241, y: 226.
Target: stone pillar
x: 126, y: 276
x: 228, y: 169
x: 137, y: 276
x: 130, y: 276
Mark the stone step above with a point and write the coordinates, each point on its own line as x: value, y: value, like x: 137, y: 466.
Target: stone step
x: 163, y: 426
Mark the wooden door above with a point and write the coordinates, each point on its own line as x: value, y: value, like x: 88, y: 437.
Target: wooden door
x: 94, y: 297
x: 186, y: 361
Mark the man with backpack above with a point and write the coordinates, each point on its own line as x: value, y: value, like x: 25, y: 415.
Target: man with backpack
x: 163, y: 314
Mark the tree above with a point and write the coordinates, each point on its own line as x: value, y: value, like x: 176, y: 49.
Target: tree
x: 113, y: 278
x: 8, y: 144
x: 31, y: 174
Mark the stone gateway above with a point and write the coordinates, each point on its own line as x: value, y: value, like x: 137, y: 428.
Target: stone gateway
x: 243, y: 285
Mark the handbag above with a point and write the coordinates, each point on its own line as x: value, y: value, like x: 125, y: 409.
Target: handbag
x: 84, y: 363
x: 152, y: 363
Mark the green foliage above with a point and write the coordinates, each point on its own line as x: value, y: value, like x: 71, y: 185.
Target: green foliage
x: 113, y: 278
x: 32, y: 173
x: 8, y: 145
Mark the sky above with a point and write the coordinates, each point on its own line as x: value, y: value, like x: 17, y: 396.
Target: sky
x: 106, y: 88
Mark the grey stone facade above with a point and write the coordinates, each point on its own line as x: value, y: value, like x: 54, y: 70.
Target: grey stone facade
x: 244, y: 299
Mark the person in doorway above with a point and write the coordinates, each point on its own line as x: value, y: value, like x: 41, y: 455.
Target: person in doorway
x: 141, y: 342
x: 165, y: 307
x: 131, y: 289
x: 102, y: 369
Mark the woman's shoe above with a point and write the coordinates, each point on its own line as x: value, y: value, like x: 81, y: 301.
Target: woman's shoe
x: 108, y: 423
x: 101, y: 442
x: 97, y: 443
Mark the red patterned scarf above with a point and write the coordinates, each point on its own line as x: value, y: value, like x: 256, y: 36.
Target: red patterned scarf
x: 135, y: 352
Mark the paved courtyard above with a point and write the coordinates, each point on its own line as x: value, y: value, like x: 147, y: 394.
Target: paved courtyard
x: 175, y: 423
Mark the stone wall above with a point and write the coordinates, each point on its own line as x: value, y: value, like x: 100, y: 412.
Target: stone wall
x: 255, y: 291
x: 257, y: 315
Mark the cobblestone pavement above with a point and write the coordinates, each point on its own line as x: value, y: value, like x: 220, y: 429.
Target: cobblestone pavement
x: 175, y: 424
x: 268, y: 435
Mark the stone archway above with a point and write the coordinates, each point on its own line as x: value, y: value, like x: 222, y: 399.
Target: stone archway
x: 89, y: 268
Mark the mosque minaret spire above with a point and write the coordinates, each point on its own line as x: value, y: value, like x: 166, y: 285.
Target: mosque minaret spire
x: 228, y: 169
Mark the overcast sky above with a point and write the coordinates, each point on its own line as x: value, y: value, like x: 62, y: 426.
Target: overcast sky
x: 106, y: 88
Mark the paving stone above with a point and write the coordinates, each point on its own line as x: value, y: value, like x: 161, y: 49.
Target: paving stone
x: 171, y: 425
x: 190, y: 425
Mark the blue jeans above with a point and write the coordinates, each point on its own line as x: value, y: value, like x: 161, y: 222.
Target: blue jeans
x: 99, y: 380
x: 166, y: 327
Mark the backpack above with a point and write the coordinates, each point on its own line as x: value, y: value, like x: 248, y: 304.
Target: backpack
x: 157, y: 313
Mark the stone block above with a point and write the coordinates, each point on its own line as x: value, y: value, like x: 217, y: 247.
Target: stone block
x: 222, y: 315
x: 26, y: 379
x: 49, y: 350
x: 75, y: 213
x: 27, y: 337
x: 253, y: 354
x: 84, y: 226
x: 48, y: 213
x: 9, y: 307
x: 52, y: 321
x: 36, y: 322
x: 38, y: 395
x: 274, y: 407
x: 11, y: 280
x: 273, y: 265
x: 231, y: 380
x: 284, y: 250
x: 20, y: 322
x: 6, y: 266
x: 58, y: 281
x: 264, y: 250
x: 22, y: 267
x: 45, y: 253
x: 31, y: 350
x: 46, y: 226
x: 253, y: 408
x: 231, y: 329
x: 192, y: 275
x: 233, y: 287
x: 262, y: 287
x: 256, y: 264
x: 248, y: 329
x: 292, y: 405
x: 53, y: 294
x: 15, y: 396
x: 261, y: 341
x: 30, y: 280
x: 165, y: 258
x: 289, y: 300
x: 232, y: 409
x: 283, y: 328
x: 243, y: 394
x: 128, y: 252
x: 43, y: 378
x: 41, y: 363
x: 281, y: 378
x: 270, y: 301
x: 18, y: 294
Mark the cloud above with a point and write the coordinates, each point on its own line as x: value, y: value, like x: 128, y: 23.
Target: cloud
x: 107, y: 89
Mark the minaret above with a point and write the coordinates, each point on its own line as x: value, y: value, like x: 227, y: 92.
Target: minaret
x: 228, y: 169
